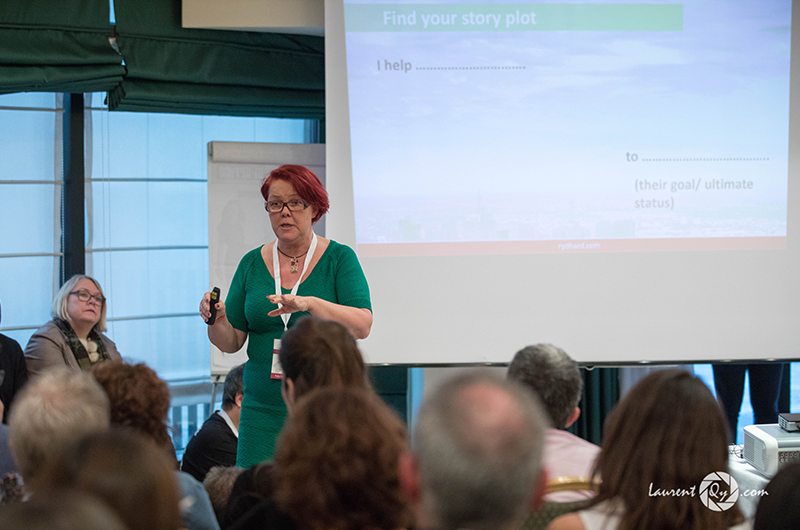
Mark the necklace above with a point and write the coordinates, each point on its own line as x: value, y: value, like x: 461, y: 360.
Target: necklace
x: 295, y: 265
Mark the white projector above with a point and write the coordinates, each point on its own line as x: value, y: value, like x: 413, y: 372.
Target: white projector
x: 768, y: 447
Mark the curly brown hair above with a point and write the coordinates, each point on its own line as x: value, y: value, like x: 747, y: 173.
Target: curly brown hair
x: 139, y: 398
x: 336, y: 466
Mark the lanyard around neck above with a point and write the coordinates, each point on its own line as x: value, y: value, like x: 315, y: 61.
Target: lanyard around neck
x: 276, y: 265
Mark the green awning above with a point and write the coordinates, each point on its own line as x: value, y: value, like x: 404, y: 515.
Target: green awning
x: 197, y: 71
x: 48, y: 46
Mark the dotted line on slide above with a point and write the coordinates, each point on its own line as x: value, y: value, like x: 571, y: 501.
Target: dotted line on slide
x: 470, y: 67
x: 705, y: 159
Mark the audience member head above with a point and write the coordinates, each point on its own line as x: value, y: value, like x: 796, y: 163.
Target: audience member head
x: 319, y: 353
x: 667, y: 433
x: 50, y: 413
x: 336, y: 465
x: 60, y: 510
x: 305, y: 183
x: 233, y: 391
x: 61, y: 308
x: 477, y: 455
x: 127, y: 471
x: 218, y: 484
x: 139, y: 398
x: 554, y: 377
x: 780, y: 508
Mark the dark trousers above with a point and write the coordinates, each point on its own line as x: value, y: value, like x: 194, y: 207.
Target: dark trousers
x: 765, y: 384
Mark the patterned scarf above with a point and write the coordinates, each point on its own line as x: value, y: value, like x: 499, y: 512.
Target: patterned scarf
x: 80, y: 353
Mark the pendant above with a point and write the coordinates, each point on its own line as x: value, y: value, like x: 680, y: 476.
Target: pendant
x: 295, y: 266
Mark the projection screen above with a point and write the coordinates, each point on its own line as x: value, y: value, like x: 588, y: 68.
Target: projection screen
x: 617, y: 179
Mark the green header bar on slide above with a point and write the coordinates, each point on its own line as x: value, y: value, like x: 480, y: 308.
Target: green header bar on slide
x: 513, y: 17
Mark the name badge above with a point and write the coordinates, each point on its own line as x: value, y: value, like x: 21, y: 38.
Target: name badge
x: 277, y: 371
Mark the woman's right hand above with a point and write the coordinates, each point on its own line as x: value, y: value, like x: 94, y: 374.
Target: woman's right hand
x: 205, y: 308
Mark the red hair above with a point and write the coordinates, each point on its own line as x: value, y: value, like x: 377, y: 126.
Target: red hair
x: 304, y: 182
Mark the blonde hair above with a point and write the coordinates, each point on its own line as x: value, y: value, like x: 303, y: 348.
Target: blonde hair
x: 51, y: 412
x: 60, y: 302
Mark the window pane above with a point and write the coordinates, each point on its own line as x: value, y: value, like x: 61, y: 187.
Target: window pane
x: 27, y: 215
x: 154, y: 282
x: 37, y: 100
x: 177, y: 347
x: 137, y: 214
x: 26, y: 290
x: 27, y: 145
x: 152, y: 214
x: 268, y: 129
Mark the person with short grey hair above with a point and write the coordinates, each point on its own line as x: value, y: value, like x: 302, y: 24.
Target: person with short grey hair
x: 52, y: 411
x: 554, y: 377
x: 476, y: 455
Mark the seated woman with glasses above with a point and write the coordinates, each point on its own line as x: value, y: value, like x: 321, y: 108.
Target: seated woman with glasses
x: 74, y: 337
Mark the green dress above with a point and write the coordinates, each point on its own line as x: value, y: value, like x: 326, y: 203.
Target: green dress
x: 338, y: 278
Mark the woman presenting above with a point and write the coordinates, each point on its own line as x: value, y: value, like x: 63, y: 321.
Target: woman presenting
x: 274, y: 285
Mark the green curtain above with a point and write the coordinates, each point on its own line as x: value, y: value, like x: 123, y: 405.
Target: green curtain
x: 49, y: 46
x: 600, y: 395
x: 197, y: 71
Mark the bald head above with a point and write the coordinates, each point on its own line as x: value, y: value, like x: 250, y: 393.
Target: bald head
x: 478, y: 444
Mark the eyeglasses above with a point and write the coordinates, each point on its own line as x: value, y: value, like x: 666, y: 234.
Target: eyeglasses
x: 295, y: 205
x: 84, y: 296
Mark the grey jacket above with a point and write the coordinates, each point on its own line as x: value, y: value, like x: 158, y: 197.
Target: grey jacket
x: 48, y: 347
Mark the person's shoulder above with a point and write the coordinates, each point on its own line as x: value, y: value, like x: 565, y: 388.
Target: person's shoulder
x: 250, y: 261
x: 339, y: 248
x: 10, y: 346
x: 561, y: 437
x: 570, y: 521
x: 340, y: 252
x: 214, y: 426
x: 252, y: 255
x: 48, y: 331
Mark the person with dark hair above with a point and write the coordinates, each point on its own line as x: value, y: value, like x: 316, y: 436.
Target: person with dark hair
x: 124, y: 469
x: 779, y: 509
x: 215, y: 443
x: 74, y: 338
x: 476, y: 455
x: 13, y: 375
x: 336, y: 465
x: 276, y: 284
x: 314, y: 354
x: 318, y: 353
x: 661, y: 442
x: 140, y: 401
x: 555, y: 379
